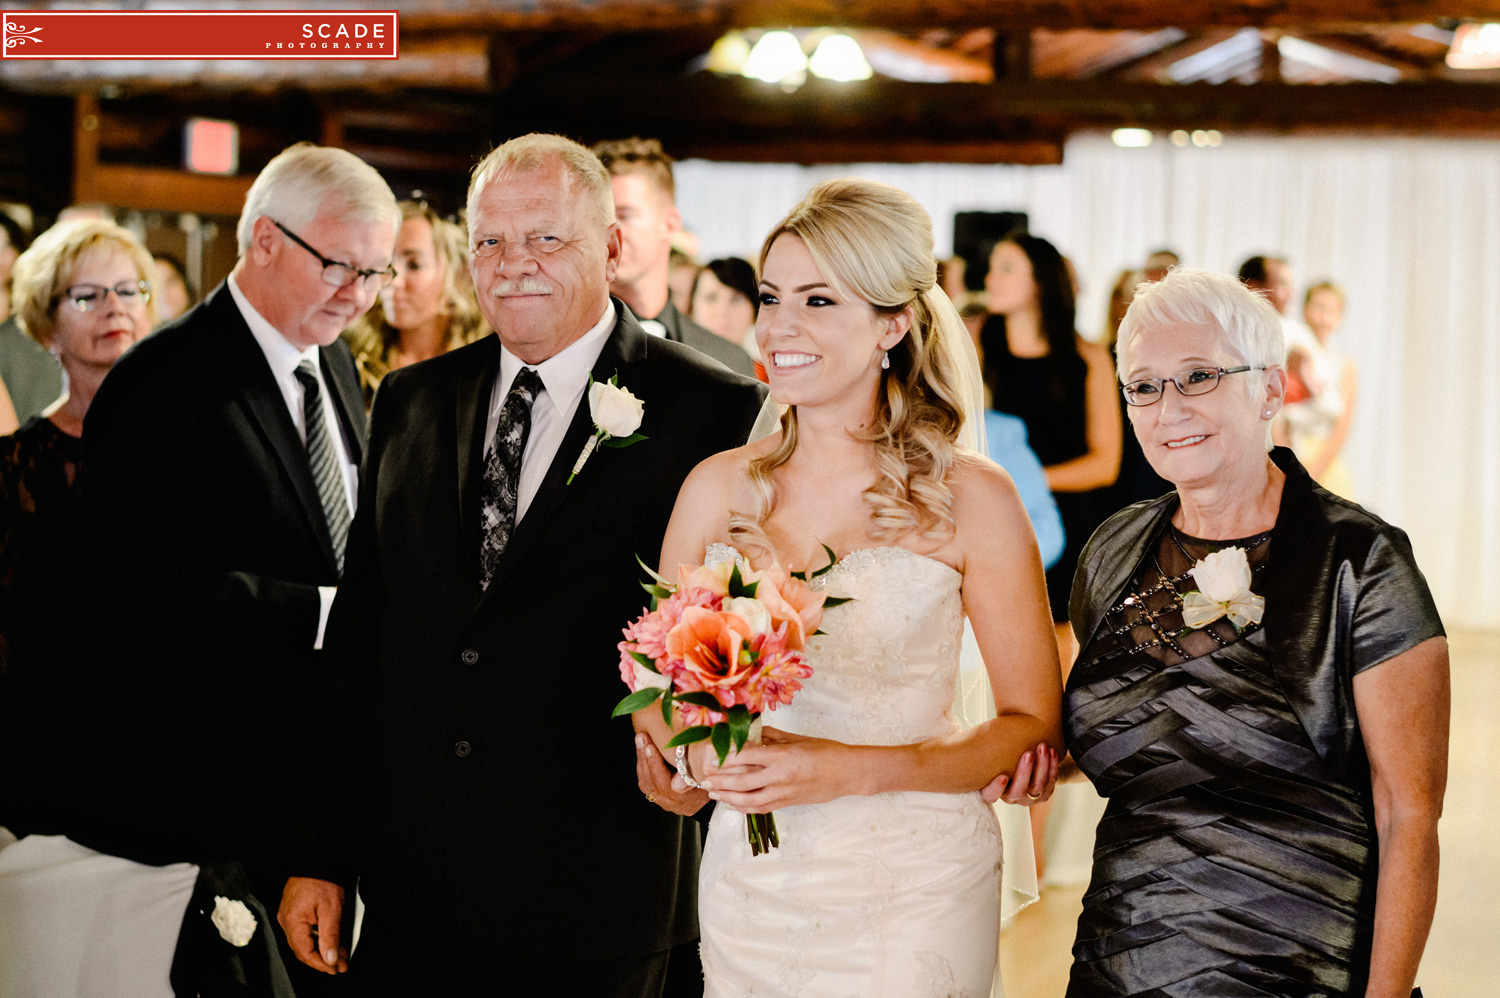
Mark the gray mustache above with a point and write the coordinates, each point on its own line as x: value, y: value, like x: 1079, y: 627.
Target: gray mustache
x: 524, y: 286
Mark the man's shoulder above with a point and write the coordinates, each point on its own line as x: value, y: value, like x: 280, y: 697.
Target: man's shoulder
x: 690, y: 367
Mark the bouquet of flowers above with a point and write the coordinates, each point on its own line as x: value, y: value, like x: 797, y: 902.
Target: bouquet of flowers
x: 722, y: 647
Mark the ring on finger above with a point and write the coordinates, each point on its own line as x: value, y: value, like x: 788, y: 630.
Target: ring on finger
x: 650, y: 798
x: 1032, y: 796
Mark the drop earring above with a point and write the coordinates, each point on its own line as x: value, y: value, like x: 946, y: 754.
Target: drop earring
x: 885, y: 363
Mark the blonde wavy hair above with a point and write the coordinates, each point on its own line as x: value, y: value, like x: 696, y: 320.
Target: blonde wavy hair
x: 43, y: 273
x: 372, y: 338
x: 873, y: 242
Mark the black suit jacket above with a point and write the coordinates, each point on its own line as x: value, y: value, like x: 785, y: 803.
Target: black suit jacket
x: 480, y: 777
x: 681, y: 329
x: 210, y: 543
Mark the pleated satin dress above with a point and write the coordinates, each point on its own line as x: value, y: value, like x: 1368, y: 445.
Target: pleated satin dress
x: 1237, y: 855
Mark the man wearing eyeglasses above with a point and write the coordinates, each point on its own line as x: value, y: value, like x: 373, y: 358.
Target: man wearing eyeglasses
x: 221, y: 464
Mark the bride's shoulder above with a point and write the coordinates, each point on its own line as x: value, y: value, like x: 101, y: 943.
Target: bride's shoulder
x: 720, y: 478
x: 984, y: 497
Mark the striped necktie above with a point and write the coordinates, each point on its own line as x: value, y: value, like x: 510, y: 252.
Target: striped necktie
x: 326, y: 459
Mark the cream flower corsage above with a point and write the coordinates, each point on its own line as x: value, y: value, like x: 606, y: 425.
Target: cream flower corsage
x: 1223, y: 591
x: 616, y: 414
x: 234, y: 921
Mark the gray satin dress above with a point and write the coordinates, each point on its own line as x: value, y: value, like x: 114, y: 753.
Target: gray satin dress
x: 1234, y: 858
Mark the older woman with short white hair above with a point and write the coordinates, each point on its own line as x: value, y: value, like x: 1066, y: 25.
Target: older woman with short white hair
x: 1262, y: 692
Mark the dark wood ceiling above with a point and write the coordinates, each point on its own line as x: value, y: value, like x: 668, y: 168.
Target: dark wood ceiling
x: 1028, y: 73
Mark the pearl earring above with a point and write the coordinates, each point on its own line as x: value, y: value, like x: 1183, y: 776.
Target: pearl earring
x: 1268, y: 412
x: 885, y: 363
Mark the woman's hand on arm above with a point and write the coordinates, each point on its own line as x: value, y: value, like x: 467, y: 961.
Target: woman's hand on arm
x: 1403, y: 705
x: 1101, y: 465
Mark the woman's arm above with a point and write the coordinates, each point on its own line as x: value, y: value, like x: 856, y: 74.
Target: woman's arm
x: 1005, y: 596
x: 8, y: 422
x: 1101, y: 465
x: 1402, y: 705
x: 1348, y: 385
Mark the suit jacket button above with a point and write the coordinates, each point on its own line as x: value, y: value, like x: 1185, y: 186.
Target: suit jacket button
x: 463, y: 750
x: 469, y: 656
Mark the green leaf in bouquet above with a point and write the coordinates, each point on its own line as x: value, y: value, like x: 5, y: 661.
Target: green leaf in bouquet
x: 833, y: 601
x: 646, y: 661
x: 634, y: 438
x: 657, y: 592
x: 688, y: 736
x: 614, y: 379
x: 739, y: 725
x: 798, y: 575
x: 636, y: 701
x: 700, y: 699
x: 660, y: 579
x: 721, y: 741
x: 832, y: 561
x: 737, y: 585
x: 666, y: 707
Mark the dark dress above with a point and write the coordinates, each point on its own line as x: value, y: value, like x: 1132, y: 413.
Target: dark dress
x: 1050, y: 394
x: 38, y: 465
x: 1238, y: 852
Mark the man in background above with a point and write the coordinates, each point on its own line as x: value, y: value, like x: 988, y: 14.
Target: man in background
x: 641, y: 178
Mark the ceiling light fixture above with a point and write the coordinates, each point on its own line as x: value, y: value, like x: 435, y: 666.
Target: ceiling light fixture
x: 839, y: 57
x: 1475, y: 46
x: 1132, y: 138
x: 777, y: 58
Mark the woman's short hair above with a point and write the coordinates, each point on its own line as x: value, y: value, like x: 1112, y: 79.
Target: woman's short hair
x: 45, y: 270
x: 303, y: 177
x: 1248, y: 323
x: 736, y: 274
x: 531, y: 152
x: 873, y: 243
x: 1328, y: 286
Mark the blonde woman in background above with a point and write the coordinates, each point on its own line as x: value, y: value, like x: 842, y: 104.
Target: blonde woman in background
x: 1316, y: 426
x: 428, y: 309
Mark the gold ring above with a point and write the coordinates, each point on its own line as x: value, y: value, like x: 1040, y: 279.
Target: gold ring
x: 1032, y: 796
x: 651, y: 798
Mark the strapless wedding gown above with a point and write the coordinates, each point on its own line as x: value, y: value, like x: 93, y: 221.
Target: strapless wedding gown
x: 897, y: 894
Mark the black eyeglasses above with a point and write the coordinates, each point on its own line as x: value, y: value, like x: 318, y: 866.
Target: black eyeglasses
x: 1198, y: 381
x: 87, y: 297
x: 341, y: 275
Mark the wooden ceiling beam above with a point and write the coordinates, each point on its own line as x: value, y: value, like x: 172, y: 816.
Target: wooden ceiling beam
x: 656, y: 15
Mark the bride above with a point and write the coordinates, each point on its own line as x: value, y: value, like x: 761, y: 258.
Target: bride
x: 887, y: 879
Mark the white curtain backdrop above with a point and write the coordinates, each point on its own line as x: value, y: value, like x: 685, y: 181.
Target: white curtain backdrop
x: 1409, y: 227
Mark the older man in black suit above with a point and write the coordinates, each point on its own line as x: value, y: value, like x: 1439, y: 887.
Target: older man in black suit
x: 220, y: 468
x: 472, y: 779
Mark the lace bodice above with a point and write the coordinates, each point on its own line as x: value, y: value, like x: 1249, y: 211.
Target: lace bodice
x: 885, y: 670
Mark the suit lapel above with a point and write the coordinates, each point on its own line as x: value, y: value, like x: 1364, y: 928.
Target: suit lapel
x: 626, y: 345
x: 266, y: 405
x: 348, y: 400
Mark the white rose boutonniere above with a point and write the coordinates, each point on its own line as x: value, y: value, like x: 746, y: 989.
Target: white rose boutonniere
x: 617, y: 415
x: 1223, y: 591
x: 233, y: 920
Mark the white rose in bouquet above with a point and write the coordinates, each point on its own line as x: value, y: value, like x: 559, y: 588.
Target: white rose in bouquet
x: 753, y: 611
x: 645, y: 679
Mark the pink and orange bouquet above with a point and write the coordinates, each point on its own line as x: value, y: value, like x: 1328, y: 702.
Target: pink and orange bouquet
x: 721, y: 648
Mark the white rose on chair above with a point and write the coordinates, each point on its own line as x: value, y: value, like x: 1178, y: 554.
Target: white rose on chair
x: 616, y: 414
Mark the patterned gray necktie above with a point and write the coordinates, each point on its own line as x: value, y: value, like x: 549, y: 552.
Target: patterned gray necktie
x: 326, y: 459
x: 498, y: 492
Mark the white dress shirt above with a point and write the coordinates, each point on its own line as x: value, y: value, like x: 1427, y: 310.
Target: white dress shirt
x: 565, y: 377
x: 285, y: 359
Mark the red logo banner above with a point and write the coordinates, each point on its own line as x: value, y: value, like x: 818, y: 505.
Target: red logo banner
x: 200, y: 34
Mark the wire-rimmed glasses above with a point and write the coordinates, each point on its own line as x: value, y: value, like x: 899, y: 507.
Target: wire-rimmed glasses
x: 87, y: 297
x: 1194, y: 381
x: 339, y: 274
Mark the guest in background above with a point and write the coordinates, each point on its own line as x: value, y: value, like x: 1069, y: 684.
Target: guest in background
x: 1005, y: 437
x: 1158, y: 262
x: 1137, y: 479
x: 83, y: 292
x: 726, y: 300
x: 428, y: 309
x: 12, y: 244
x: 682, y: 271
x: 1037, y: 367
x: 1271, y: 726
x: 1317, y: 425
x: 171, y: 294
x: 30, y: 377
x: 644, y: 191
x: 1271, y: 276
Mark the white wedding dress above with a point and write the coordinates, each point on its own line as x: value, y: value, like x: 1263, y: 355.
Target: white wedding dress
x: 897, y: 894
